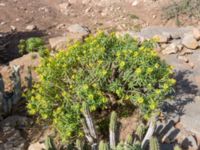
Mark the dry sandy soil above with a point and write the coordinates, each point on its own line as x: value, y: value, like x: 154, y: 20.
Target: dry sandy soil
x: 53, y: 16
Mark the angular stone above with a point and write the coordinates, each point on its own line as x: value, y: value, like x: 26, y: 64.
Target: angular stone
x: 171, y: 49
x: 183, y: 58
x: 190, y: 42
x: 180, y: 47
x: 190, y: 143
x: 58, y: 43
x: 77, y: 28
x: 37, y: 146
x: 64, y: 8
x: 31, y: 27
x: 186, y: 51
x: 191, y: 64
x: 196, y: 33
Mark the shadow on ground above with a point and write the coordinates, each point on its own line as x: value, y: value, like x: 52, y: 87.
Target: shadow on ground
x: 9, y: 43
x: 185, y: 91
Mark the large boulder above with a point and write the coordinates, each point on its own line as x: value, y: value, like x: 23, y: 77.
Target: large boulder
x: 190, y: 42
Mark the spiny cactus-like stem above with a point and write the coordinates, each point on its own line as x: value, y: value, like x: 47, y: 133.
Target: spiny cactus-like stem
x: 89, y: 121
x: 87, y: 132
x: 149, y: 133
x: 103, y: 146
x: 79, y: 144
x: 16, y: 80
x: 140, y: 132
x: 112, y: 129
x: 177, y: 147
x: 129, y: 139
x: 29, y: 78
x: 49, y: 145
x: 154, y: 144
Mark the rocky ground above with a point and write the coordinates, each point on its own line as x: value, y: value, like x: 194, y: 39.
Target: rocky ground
x: 61, y: 20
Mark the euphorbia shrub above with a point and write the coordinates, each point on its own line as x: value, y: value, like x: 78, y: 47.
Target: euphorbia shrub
x: 102, y: 70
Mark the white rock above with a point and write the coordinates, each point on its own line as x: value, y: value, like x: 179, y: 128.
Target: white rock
x: 31, y: 27
x: 2, y: 4
x: 13, y: 28
x: 60, y: 26
x: 36, y: 146
x: 170, y: 49
x: 189, y: 41
x: 135, y: 2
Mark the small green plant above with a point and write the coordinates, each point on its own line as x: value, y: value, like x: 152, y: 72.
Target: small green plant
x: 133, y: 16
x: 34, y: 44
x: 102, y: 71
x: 182, y: 7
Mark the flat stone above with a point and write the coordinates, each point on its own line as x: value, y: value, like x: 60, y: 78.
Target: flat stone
x: 190, y: 42
x: 174, y: 32
x: 77, y: 28
x: 191, y: 118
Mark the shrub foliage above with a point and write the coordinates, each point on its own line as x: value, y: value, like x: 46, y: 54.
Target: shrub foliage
x: 33, y: 44
x: 101, y: 71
